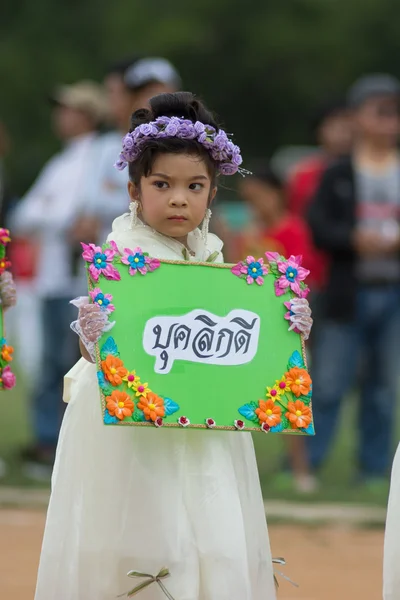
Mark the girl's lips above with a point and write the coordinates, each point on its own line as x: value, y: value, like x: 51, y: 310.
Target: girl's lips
x: 177, y: 218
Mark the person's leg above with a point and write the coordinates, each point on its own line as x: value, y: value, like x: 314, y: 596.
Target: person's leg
x: 335, y: 356
x: 381, y: 309
x: 57, y: 359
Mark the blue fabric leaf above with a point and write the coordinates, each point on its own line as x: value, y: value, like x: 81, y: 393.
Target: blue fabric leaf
x: 310, y: 429
x: 170, y: 406
x: 103, y: 384
x: 277, y: 428
x: 247, y: 411
x: 108, y: 419
x: 109, y: 347
x: 296, y: 360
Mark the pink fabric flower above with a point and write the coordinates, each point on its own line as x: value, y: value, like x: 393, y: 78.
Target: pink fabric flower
x: 102, y: 300
x: 8, y: 377
x: 138, y: 262
x: 292, y: 274
x: 183, y: 421
x: 251, y: 269
x: 101, y: 261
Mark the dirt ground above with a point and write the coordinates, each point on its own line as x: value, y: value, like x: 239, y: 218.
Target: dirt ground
x: 329, y: 563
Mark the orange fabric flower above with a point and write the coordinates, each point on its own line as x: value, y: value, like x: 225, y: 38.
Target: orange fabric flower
x: 120, y: 405
x: 298, y: 414
x: 152, y: 406
x: 269, y: 412
x: 298, y: 381
x: 113, y: 369
x: 6, y: 353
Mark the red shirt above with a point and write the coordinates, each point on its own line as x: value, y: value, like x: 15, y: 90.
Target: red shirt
x: 302, y: 186
x: 290, y: 236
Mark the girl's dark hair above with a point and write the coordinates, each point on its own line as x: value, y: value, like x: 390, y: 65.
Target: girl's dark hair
x: 181, y: 104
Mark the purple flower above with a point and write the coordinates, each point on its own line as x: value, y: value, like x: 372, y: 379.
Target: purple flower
x: 171, y: 129
x: 120, y: 165
x: 220, y: 140
x: 199, y: 127
x: 148, y: 129
x: 162, y: 120
x: 227, y: 168
x: 237, y: 159
x: 187, y: 131
x: 292, y: 274
x: 128, y: 142
x: 100, y: 261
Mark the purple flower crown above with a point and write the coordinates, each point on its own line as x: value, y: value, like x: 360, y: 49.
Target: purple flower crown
x: 221, y: 149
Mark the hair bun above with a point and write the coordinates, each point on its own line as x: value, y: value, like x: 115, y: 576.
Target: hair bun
x: 181, y: 104
x: 140, y: 116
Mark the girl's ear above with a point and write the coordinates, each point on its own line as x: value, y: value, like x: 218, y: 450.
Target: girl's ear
x: 212, y: 195
x: 133, y: 191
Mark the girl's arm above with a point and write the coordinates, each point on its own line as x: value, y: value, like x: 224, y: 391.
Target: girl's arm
x: 84, y: 352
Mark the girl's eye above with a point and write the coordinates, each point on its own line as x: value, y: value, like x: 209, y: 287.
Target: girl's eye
x: 196, y: 186
x: 161, y: 185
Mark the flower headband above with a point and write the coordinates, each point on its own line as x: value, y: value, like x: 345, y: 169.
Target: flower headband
x: 219, y: 146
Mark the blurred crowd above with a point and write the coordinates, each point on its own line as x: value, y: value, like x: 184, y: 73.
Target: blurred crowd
x: 338, y: 207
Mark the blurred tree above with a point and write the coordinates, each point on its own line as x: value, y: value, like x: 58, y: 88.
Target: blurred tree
x: 261, y: 66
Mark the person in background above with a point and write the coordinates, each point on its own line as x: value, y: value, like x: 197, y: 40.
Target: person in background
x: 129, y: 85
x: 274, y: 229
x: 332, y: 131
x: 48, y: 213
x: 355, y: 220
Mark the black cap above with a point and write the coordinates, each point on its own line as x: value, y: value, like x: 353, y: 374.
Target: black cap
x: 151, y: 70
x: 371, y: 86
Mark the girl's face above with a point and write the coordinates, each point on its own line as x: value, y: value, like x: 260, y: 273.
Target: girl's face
x: 175, y: 196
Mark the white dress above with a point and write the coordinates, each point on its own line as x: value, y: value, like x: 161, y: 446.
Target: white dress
x: 137, y: 499
x: 391, y: 560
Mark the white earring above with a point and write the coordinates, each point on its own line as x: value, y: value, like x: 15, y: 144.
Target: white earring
x: 205, y: 225
x: 133, y: 207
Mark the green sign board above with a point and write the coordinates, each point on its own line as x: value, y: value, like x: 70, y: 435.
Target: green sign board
x: 7, y: 377
x: 195, y: 345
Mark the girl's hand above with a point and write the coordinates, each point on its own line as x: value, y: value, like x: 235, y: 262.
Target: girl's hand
x: 91, y: 324
x: 300, y: 316
x: 8, y: 292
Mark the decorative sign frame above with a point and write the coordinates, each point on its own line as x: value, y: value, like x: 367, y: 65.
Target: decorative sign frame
x: 200, y: 345
x: 7, y: 377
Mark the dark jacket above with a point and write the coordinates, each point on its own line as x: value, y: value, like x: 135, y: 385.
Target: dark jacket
x: 332, y: 218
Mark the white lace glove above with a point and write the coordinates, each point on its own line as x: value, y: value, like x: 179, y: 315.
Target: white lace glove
x: 91, y: 324
x: 299, y: 316
x: 8, y: 292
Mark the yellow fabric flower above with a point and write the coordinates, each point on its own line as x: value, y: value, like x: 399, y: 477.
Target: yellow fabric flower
x: 141, y: 389
x: 272, y: 393
x: 131, y: 379
x: 282, y: 386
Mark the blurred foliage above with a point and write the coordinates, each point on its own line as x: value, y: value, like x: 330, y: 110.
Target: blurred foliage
x: 260, y: 65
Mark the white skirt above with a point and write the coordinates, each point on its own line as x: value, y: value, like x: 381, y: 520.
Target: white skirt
x: 391, y: 559
x: 138, y: 499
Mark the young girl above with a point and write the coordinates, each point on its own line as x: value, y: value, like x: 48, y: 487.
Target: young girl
x: 124, y: 498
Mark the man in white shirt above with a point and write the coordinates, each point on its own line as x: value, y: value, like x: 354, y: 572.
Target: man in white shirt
x: 129, y: 85
x: 49, y: 213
